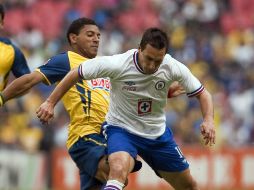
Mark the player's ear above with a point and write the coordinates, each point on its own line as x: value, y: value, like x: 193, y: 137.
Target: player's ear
x: 73, y: 38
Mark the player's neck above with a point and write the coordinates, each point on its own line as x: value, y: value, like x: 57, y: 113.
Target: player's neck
x: 81, y: 53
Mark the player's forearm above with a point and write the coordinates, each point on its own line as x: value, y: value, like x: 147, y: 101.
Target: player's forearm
x: 19, y: 87
x: 68, y: 81
x: 206, y: 104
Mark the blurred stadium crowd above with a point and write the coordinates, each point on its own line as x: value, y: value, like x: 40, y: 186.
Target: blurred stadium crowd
x: 214, y: 38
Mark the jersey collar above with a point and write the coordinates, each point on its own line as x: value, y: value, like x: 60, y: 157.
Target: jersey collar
x: 135, y: 59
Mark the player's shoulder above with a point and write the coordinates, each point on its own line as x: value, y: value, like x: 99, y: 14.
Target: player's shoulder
x: 127, y: 53
x: 171, y: 61
x: 6, y: 40
x: 8, y: 43
x: 125, y: 56
x: 61, y: 56
x: 13, y: 49
x: 58, y: 60
x: 167, y: 58
x: 131, y: 51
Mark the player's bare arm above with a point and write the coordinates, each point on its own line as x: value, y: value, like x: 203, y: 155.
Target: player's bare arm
x: 207, y: 126
x: 21, y: 85
x: 46, y: 111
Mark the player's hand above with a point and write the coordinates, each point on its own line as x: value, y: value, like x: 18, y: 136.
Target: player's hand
x: 45, y: 112
x: 1, y: 100
x: 175, y: 90
x: 208, y: 132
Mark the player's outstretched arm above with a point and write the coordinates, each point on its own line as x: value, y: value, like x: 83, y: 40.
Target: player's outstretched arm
x: 207, y: 126
x: 46, y: 111
x: 20, y: 86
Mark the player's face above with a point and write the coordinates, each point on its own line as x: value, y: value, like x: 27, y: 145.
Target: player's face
x: 150, y: 58
x: 87, y: 41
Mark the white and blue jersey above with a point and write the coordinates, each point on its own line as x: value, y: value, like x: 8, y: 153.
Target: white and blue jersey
x: 137, y: 100
x: 136, y: 118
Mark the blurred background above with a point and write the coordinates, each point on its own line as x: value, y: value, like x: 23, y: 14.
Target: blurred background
x: 214, y: 38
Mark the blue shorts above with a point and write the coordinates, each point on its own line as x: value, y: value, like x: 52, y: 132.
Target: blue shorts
x: 86, y: 153
x: 160, y: 154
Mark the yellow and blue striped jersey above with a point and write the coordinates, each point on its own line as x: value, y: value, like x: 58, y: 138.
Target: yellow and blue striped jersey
x: 86, y: 102
x: 11, y: 59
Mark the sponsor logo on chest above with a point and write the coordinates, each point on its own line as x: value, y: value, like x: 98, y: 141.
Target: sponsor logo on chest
x: 129, y: 86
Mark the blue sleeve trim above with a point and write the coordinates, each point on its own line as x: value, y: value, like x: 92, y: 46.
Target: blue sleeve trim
x: 196, y: 92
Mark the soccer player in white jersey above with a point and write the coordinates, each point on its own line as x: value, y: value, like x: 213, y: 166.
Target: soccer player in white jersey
x: 140, y: 80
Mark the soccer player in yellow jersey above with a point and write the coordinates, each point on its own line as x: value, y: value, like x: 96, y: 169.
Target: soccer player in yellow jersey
x: 11, y: 58
x: 86, y: 102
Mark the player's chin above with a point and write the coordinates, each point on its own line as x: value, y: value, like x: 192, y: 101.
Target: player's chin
x: 93, y: 54
x: 94, y: 51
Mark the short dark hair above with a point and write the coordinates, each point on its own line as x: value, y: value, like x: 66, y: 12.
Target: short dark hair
x: 156, y: 38
x: 77, y: 25
x: 2, y: 11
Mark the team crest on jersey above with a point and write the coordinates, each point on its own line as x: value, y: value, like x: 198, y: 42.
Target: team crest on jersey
x: 100, y: 83
x: 129, y: 86
x: 160, y: 85
x: 144, y: 106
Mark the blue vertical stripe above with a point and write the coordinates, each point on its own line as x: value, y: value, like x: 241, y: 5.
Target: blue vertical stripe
x: 86, y: 102
x: 89, y: 95
x: 82, y: 92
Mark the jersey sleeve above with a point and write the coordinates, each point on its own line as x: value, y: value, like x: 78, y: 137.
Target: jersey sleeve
x: 19, y: 66
x: 100, y: 67
x: 55, y: 68
x: 184, y: 76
